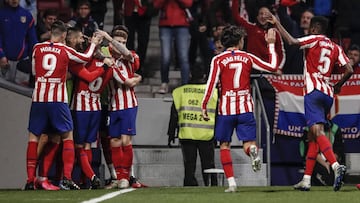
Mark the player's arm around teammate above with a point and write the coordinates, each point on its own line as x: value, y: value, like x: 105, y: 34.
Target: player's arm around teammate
x: 122, y: 106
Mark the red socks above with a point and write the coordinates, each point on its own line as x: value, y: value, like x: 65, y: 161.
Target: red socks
x: 122, y: 158
x: 84, y: 162
x: 313, y: 151
x: 226, y: 161
x: 31, y: 161
x: 68, y: 155
x: 326, y: 148
x: 89, y: 155
x: 126, y: 162
x: 117, y: 156
x: 50, y: 151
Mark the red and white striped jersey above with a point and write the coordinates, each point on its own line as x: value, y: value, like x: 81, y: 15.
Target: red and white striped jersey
x: 50, y: 65
x: 90, y: 81
x: 231, y: 69
x: 320, y: 55
x: 121, y: 96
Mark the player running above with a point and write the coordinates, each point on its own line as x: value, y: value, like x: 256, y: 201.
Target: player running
x: 231, y: 70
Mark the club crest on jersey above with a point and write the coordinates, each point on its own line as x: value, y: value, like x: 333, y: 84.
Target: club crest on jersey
x: 23, y: 19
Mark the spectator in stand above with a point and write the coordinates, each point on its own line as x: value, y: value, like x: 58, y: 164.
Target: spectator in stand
x: 219, y: 13
x: 138, y: 15
x: 17, y: 38
x: 199, y: 36
x: 83, y: 19
x: 98, y: 11
x: 294, y: 57
x: 218, y: 47
x: 256, y: 43
x: 43, y: 28
x: 195, y: 135
x: 50, y: 99
x: 118, y: 17
x: 355, y: 24
x: 30, y: 5
x: 354, y: 55
x: 173, y: 27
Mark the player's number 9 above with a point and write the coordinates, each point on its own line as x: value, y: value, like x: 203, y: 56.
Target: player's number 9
x: 49, y: 64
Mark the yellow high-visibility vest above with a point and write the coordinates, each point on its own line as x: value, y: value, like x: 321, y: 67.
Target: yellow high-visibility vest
x: 187, y: 100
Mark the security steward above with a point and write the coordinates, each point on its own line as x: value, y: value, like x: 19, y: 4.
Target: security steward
x: 194, y: 133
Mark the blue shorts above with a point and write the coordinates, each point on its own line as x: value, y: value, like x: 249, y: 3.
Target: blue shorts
x: 317, y: 106
x: 86, y: 126
x: 244, y: 124
x: 49, y: 118
x: 122, y: 122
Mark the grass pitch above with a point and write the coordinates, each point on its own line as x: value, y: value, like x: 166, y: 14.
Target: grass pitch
x: 273, y: 194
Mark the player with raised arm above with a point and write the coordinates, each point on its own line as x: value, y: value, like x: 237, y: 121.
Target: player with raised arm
x: 231, y: 70
x: 49, y: 112
x: 320, y: 55
x: 89, y: 81
x: 123, y: 105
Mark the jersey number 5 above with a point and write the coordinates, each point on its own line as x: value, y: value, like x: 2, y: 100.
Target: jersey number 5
x: 324, y: 61
x: 238, y: 69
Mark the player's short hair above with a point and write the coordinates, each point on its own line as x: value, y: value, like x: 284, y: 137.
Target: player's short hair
x: 120, y: 31
x: 58, y: 28
x: 71, y: 31
x: 231, y: 35
x: 320, y: 22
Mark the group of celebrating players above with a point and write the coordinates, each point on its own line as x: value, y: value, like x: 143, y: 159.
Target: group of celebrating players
x: 52, y: 120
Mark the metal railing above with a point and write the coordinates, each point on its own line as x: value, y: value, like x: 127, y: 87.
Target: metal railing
x: 260, y: 111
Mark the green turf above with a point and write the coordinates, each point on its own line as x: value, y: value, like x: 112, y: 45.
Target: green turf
x: 348, y: 194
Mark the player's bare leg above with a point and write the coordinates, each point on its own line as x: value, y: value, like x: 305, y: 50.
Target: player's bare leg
x: 252, y: 150
x: 106, y: 148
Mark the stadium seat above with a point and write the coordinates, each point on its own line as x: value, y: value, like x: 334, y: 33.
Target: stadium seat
x: 219, y: 173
